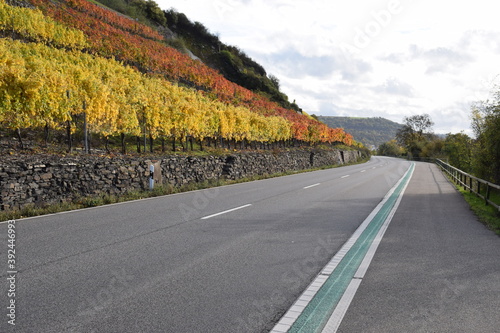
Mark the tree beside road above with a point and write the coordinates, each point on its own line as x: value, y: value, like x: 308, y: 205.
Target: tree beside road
x: 479, y: 155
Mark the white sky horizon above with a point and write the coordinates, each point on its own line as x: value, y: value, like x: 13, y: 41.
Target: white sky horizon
x: 389, y: 58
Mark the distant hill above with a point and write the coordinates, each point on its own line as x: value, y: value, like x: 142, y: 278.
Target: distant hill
x: 369, y: 131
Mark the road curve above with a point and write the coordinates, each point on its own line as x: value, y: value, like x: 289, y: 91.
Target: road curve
x: 229, y: 259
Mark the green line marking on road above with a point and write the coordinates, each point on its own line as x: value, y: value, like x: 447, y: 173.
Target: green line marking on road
x: 316, y: 314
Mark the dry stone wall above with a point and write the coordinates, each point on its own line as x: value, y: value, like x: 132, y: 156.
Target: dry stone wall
x: 42, y: 180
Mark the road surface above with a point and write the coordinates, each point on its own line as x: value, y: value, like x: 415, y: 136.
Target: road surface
x: 236, y: 258
x: 437, y: 269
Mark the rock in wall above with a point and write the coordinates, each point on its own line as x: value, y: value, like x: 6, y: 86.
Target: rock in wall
x: 49, y: 179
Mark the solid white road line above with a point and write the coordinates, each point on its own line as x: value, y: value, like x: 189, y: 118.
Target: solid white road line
x: 311, y: 186
x: 224, y: 212
x: 288, y: 319
x: 338, y: 314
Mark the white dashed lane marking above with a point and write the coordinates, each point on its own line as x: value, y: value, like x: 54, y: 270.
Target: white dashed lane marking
x: 224, y: 212
x: 311, y: 186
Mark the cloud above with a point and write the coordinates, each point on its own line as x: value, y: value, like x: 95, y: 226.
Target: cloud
x: 394, y: 58
x: 423, y: 61
x: 441, y: 59
x: 438, y: 60
x: 480, y: 41
x: 451, y: 119
x: 444, y: 59
x: 393, y: 86
x: 295, y: 64
x: 332, y: 109
x: 354, y: 69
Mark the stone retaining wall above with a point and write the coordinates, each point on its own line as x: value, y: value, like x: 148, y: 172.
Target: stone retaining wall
x: 45, y: 179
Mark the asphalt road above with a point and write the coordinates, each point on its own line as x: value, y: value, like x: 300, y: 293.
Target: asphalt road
x: 176, y: 264
x: 436, y: 270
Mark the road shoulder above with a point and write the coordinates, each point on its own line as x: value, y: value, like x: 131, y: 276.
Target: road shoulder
x: 436, y: 269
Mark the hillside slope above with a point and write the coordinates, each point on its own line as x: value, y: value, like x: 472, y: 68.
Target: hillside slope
x: 369, y: 131
x: 74, y: 67
x: 194, y: 39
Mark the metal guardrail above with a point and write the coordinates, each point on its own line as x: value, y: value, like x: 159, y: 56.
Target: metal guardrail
x: 480, y: 187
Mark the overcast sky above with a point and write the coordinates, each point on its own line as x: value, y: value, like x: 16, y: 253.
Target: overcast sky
x: 389, y: 58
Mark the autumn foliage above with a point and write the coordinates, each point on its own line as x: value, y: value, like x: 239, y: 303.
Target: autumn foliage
x: 72, y: 57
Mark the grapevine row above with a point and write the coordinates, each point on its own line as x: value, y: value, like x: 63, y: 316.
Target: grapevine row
x: 112, y: 18
x: 111, y: 39
x: 42, y: 86
x: 34, y: 26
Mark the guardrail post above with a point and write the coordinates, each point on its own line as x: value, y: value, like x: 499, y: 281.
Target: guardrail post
x: 487, y: 195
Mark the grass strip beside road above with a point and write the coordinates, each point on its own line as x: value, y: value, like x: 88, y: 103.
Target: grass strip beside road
x: 487, y: 214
